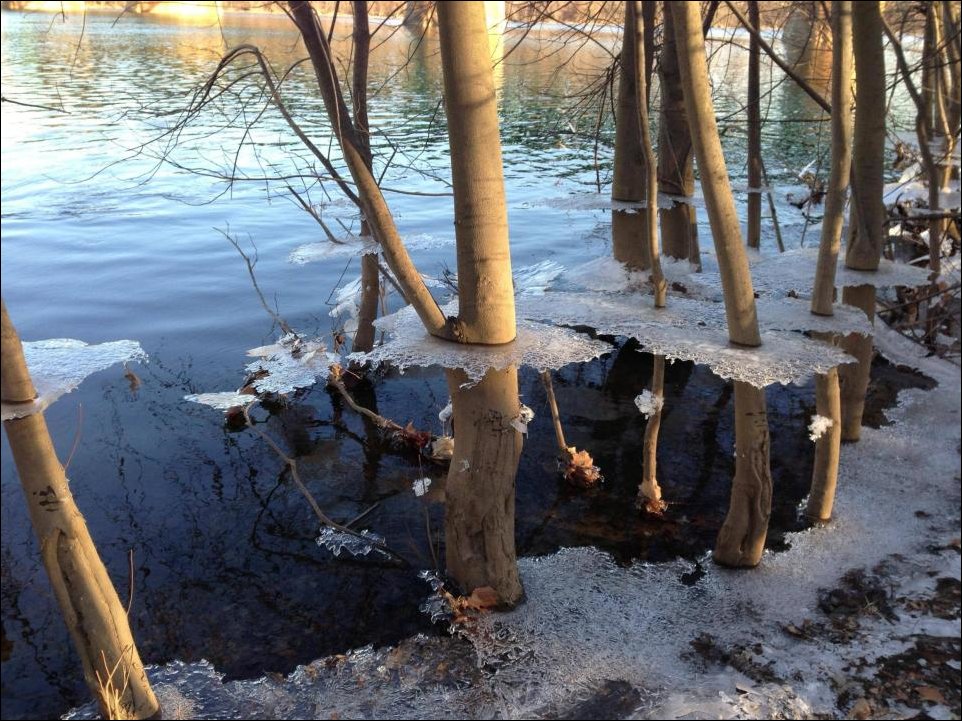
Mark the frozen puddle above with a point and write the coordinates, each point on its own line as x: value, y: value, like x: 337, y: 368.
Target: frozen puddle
x: 596, y: 637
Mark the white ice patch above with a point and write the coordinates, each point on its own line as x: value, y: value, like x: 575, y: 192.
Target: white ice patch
x: 649, y: 404
x: 291, y: 363
x: 818, y: 426
x: 543, y: 347
x: 223, y: 401
x: 362, y: 543
x: 520, y: 424
x: 57, y: 366
x: 421, y: 486
x: 535, y: 279
x: 354, y: 246
x: 597, y: 201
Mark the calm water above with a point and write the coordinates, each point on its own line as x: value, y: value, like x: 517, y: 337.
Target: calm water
x: 226, y: 565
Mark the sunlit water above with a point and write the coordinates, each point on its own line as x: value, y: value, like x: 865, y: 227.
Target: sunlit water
x: 226, y: 564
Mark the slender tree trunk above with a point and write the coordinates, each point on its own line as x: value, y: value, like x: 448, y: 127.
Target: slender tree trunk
x: 559, y: 432
x: 370, y: 280
x: 479, y: 522
x: 628, y: 183
x: 867, y: 217
x: 649, y: 492
x: 742, y: 537
x: 373, y: 206
x: 828, y: 404
x: 93, y: 613
x: 660, y: 287
x: 676, y: 177
x: 827, y: 392
x: 754, y: 134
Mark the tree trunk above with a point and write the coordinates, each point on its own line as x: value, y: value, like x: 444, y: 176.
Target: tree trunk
x: 485, y: 290
x: 676, y: 176
x: 660, y: 287
x: 827, y: 398
x: 93, y: 613
x: 479, y: 522
x: 867, y: 216
x: 370, y: 280
x: 628, y: 183
x: 754, y: 134
x: 373, y: 206
x: 828, y: 404
x: 742, y: 538
x: 854, y: 377
x: 649, y: 492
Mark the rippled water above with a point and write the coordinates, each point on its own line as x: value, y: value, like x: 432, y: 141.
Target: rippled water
x: 95, y: 249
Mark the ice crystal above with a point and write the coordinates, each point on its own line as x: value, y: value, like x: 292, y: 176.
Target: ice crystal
x: 537, y: 345
x: 289, y: 364
x: 57, y: 366
x: 362, y: 543
x: 648, y: 403
x: 535, y: 279
x: 421, y: 486
x: 520, y: 424
x: 818, y: 426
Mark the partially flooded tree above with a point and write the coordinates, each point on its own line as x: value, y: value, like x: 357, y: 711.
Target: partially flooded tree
x: 479, y: 517
x: 676, y: 176
x: 628, y: 182
x: 827, y: 393
x: 867, y: 214
x: 741, y: 540
x: 95, y: 617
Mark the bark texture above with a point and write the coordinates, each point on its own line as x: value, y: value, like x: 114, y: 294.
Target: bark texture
x: 854, y: 377
x: 95, y: 618
x: 649, y: 492
x: 479, y: 514
x: 754, y: 133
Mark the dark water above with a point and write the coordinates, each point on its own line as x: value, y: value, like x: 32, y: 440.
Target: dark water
x: 226, y: 567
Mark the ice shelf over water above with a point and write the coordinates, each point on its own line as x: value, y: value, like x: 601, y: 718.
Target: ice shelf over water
x: 589, y: 623
x: 538, y: 345
x: 696, y: 330
x: 57, y: 366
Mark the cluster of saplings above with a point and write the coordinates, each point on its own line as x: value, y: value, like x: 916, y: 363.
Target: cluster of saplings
x: 479, y: 514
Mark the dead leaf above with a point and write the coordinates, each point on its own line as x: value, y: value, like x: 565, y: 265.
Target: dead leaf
x: 930, y: 694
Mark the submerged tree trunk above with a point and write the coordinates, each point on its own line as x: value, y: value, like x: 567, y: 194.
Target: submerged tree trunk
x: 89, y: 603
x: 649, y: 492
x: 742, y: 537
x: 827, y: 392
x: 628, y: 182
x: 479, y: 522
x: 754, y: 134
x: 676, y: 176
x: 867, y: 216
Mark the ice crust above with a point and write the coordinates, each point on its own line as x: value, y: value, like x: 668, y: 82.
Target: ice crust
x: 588, y: 620
x: 540, y: 346
x: 222, y: 401
x: 291, y: 363
x: 362, y: 544
x: 354, y: 246
x: 695, y: 330
x: 648, y: 403
x: 818, y: 426
x: 58, y: 365
x: 598, y: 201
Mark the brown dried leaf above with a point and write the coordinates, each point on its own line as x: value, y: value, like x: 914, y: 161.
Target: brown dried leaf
x: 930, y: 693
x: 580, y: 469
